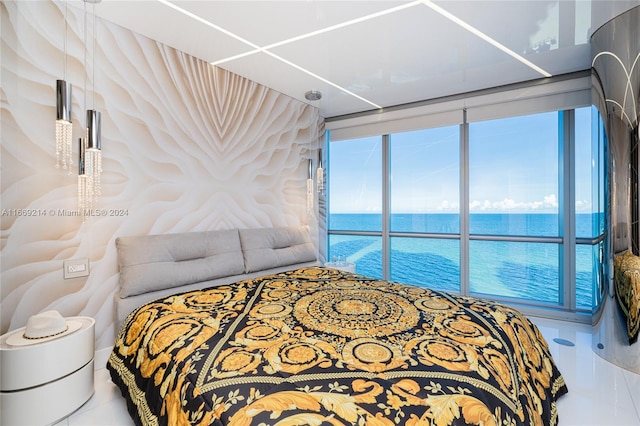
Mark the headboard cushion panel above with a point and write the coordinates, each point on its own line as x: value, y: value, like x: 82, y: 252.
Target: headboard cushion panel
x: 274, y: 247
x: 155, y: 262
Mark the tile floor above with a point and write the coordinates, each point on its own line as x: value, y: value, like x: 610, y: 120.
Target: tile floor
x: 599, y: 392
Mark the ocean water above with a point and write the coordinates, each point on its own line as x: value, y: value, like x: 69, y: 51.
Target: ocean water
x: 513, y: 269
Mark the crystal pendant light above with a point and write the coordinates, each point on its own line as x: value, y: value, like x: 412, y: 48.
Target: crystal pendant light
x: 310, y: 188
x: 93, y: 153
x: 64, y: 127
x: 320, y: 174
x: 83, y: 196
x: 90, y: 170
x: 89, y: 186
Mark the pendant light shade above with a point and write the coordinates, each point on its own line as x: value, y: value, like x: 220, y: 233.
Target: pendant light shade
x: 64, y: 127
x: 93, y: 152
x: 63, y: 100
x: 94, y: 138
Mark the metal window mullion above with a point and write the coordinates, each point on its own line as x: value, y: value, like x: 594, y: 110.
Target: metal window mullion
x: 567, y: 209
x: 433, y: 235
x: 464, y: 205
x: 386, y: 184
x: 356, y: 233
x: 516, y: 238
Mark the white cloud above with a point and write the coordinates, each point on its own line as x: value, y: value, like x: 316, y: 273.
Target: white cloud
x: 446, y: 205
x: 549, y: 202
x: 583, y: 206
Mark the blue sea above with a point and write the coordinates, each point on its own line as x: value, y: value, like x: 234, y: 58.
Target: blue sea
x: 513, y: 269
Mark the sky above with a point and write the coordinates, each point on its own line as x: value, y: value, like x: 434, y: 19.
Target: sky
x: 513, y: 167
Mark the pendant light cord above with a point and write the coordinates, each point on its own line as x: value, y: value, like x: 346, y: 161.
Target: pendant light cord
x: 64, y: 44
x: 93, y: 66
x: 85, y: 60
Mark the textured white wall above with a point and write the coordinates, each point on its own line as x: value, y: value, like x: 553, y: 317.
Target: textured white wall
x: 186, y: 147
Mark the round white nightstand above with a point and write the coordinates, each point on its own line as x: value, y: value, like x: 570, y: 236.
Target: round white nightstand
x: 343, y: 266
x: 43, y: 382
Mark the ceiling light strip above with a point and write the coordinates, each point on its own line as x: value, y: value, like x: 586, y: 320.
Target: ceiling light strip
x: 485, y: 37
x: 207, y: 23
x: 324, y: 80
x: 306, y: 71
x: 233, y: 58
x: 322, y: 31
x: 345, y: 24
x: 260, y: 49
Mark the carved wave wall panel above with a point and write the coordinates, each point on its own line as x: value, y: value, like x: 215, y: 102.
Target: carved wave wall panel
x: 186, y: 147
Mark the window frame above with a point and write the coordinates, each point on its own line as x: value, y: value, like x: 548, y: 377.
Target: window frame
x: 559, y: 94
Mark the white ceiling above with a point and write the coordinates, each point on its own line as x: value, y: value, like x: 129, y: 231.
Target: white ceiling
x: 364, y: 55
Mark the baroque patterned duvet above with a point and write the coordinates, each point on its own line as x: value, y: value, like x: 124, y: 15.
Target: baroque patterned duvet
x: 318, y: 346
x: 626, y: 277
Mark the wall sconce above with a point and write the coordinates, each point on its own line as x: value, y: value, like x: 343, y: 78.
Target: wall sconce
x: 64, y: 126
x: 320, y: 174
x: 310, y: 187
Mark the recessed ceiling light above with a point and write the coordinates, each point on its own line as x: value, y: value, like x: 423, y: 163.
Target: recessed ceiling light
x: 313, y: 95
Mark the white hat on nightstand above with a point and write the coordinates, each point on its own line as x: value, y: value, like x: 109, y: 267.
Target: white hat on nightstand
x: 43, y: 327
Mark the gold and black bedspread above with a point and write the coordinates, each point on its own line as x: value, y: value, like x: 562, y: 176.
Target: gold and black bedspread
x: 318, y: 346
x: 626, y: 279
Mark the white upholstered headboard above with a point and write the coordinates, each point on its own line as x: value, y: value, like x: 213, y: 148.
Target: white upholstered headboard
x: 153, y: 266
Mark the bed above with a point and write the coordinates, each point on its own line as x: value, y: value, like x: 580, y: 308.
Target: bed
x: 319, y: 346
x: 626, y: 279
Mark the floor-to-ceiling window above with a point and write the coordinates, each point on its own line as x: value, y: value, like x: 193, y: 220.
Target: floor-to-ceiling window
x: 590, y: 207
x: 514, y: 229
x: 483, y: 208
x: 355, y: 186
x: 424, y: 215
